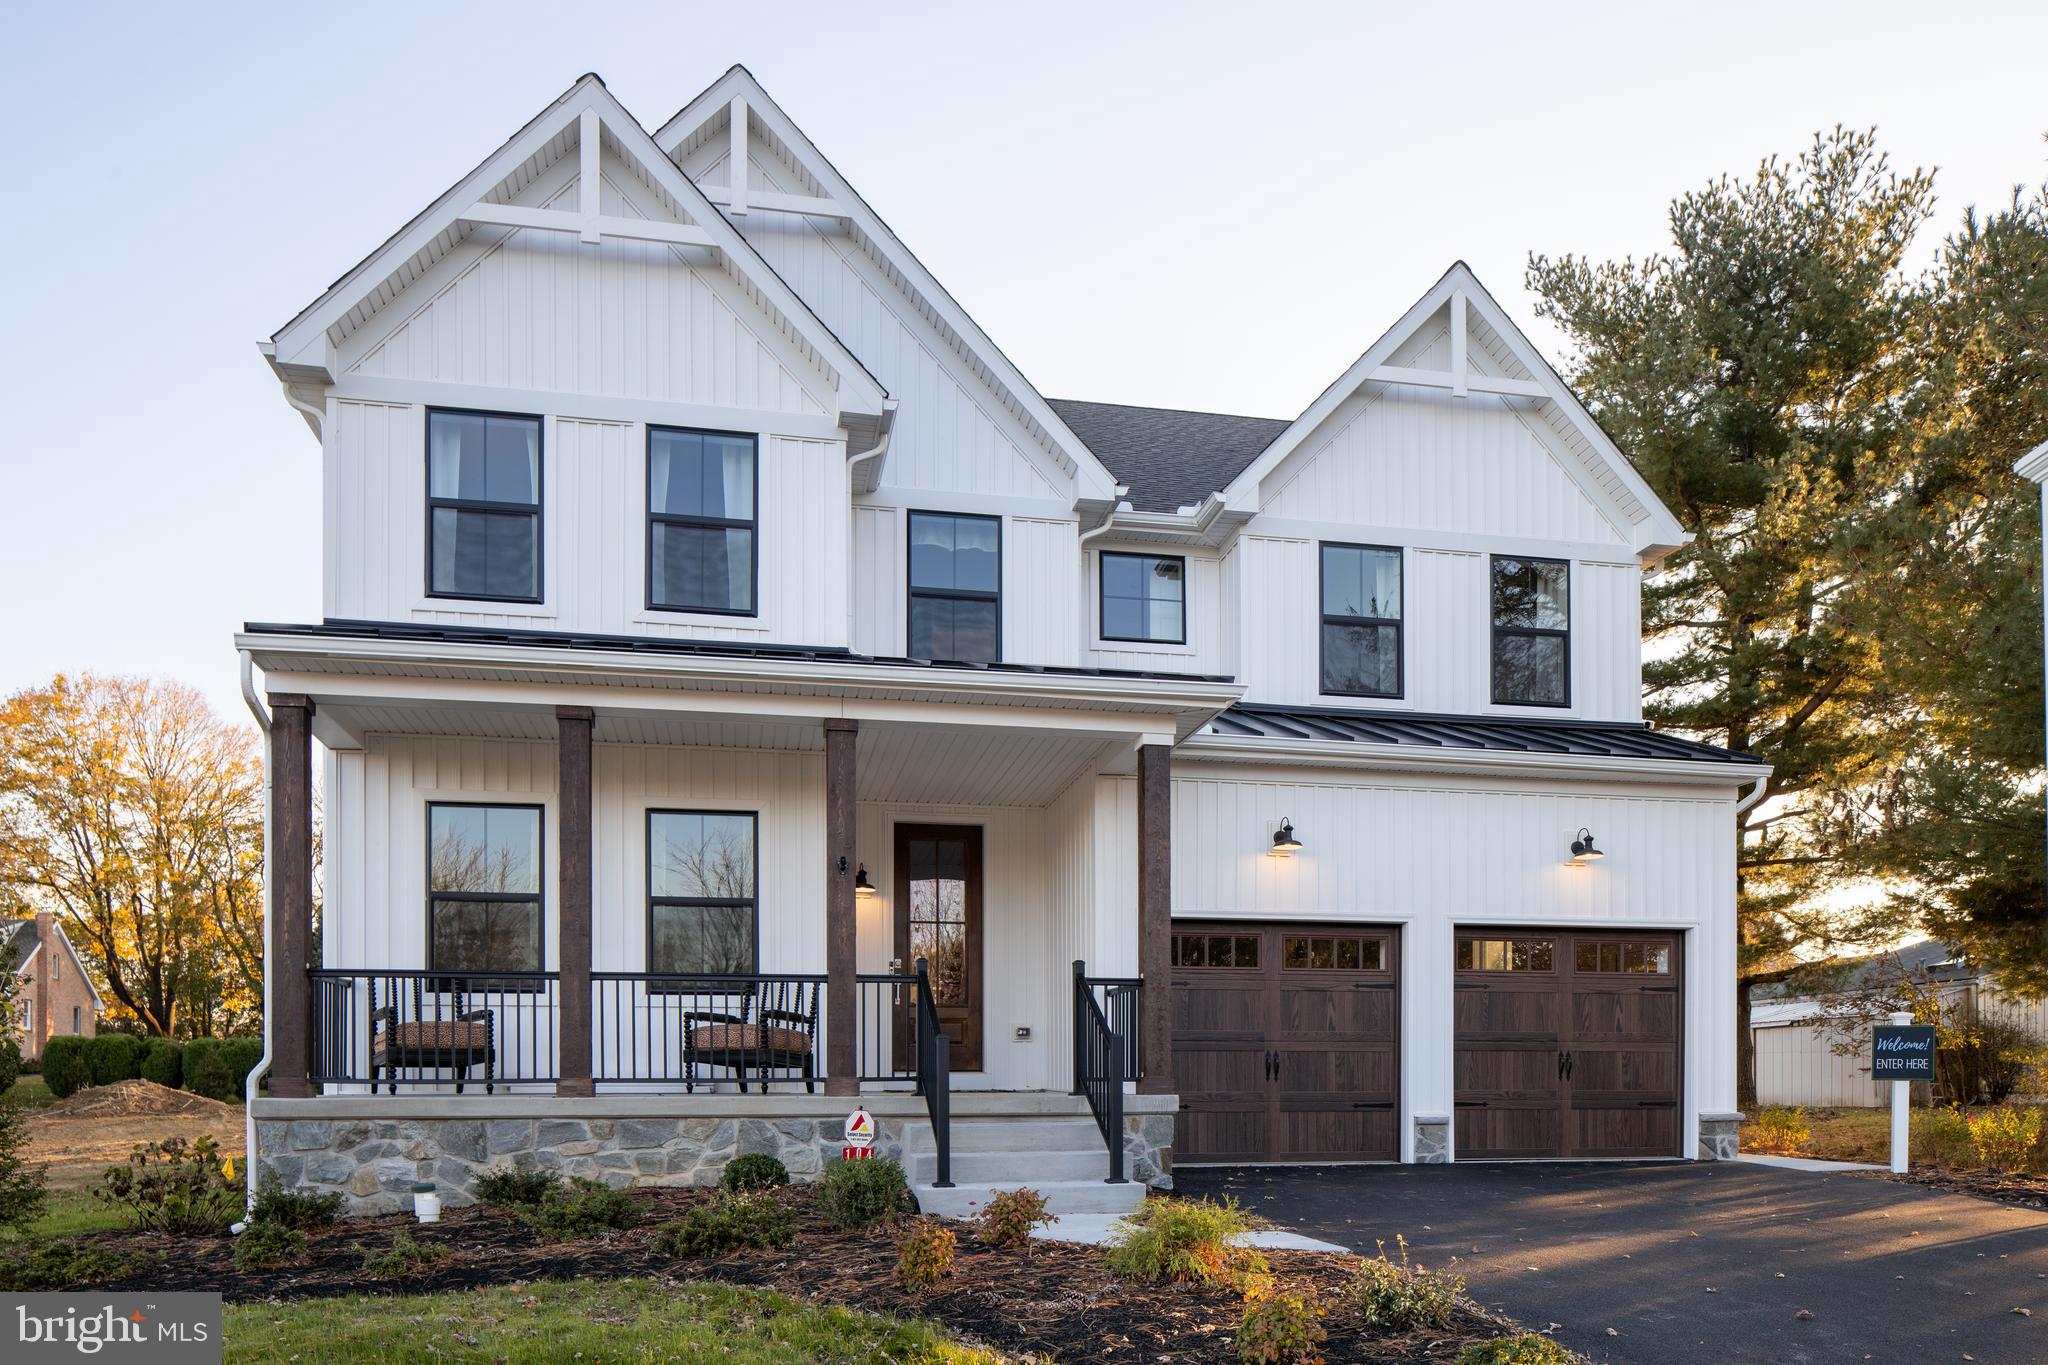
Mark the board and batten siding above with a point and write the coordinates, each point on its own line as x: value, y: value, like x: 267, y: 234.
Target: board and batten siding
x: 1041, y: 573
x: 594, y: 533
x: 1796, y: 1064
x: 1202, y: 595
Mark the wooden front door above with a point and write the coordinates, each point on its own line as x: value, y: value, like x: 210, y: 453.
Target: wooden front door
x: 1285, y: 1042
x: 938, y: 918
x: 1567, y: 1044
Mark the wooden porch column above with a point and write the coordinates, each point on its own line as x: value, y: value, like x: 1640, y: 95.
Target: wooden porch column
x: 572, y: 730
x: 1155, y: 914
x: 842, y: 1003
x: 291, y: 893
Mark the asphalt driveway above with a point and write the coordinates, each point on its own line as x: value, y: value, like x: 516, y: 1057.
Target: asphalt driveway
x: 1670, y: 1264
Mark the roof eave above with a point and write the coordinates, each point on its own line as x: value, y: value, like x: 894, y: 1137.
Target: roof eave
x: 1489, y: 762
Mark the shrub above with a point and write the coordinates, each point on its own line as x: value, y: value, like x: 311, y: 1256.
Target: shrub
x: 217, y: 1067
x: 62, y: 1265
x: 162, y: 1062
x: 754, y: 1171
x: 112, y: 1057
x: 1942, y: 1134
x: 580, y: 1209
x: 1009, y: 1216
x: 1184, y: 1239
x: 924, y: 1254
x: 1404, y: 1296
x: 730, y: 1222
x: 174, y: 1186
x: 293, y: 1208
x: 64, y: 1068
x: 267, y: 1244
x: 860, y: 1194
x: 239, y: 1056
x: 1280, y: 1328
x: 1778, y: 1129
x: 1526, y: 1349
x: 405, y: 1254
x: 10, y: 1064
x: 2006, y: 1137
x: 514, y: 1188
x: 22, y: 1196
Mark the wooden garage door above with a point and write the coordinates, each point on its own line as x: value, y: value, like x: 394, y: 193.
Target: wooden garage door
x: 1285, y: 1042
x: 1567, y: 1044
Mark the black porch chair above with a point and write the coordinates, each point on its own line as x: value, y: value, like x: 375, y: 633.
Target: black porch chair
x: 458, y: 1042
x: 775, y: 1030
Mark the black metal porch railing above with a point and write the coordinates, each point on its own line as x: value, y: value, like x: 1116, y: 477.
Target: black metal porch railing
x: 1105, y: 1054
x: 887, y: 1017
x: 420, y: 1029
x: 934, y: 1078
x: 1117, y: 997
x: 748, y: 1029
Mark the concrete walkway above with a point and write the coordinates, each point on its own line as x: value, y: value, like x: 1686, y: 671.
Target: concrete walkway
x: 1095, y: 1229
x: 1695, y: 1264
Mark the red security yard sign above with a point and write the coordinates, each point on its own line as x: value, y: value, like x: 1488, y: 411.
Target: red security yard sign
x: 860, y: 1136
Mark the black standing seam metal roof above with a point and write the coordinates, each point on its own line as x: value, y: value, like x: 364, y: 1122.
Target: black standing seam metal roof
x: 1595, y: 739
x: 1168, y: 458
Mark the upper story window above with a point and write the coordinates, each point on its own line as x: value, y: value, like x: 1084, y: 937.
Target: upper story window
x: 1361, y: 648
x: 700, y: 521
x: 483, y: 888
x: 1531, y: 631
x: 483, y: 506
x: 701, y: 913
x: 956, y: 573
x: 1143, y: 598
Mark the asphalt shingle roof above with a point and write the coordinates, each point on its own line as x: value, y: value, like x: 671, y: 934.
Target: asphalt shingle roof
x: 17, y: 941
x: 1170, y: 459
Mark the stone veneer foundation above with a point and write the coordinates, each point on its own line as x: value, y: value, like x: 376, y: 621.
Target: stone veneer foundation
x: 370, y: 1149
x: 1720, y: 1137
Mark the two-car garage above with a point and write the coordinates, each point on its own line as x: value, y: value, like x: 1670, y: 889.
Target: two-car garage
x: 1287, y: 1043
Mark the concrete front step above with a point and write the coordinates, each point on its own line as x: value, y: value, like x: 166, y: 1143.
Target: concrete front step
x: 1011, y: 1135
x: 1062, y: 1197
x: 1015, y: 1168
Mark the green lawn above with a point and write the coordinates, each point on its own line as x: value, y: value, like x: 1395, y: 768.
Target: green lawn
x: 68, y: 1213
x: 587, y: 1322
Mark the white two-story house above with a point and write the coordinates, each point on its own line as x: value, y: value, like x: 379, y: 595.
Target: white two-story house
x: 742, y: 696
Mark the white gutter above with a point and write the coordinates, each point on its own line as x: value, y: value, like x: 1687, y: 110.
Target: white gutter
x: 262, y: 1067
x: 1756, y: 793
x: 1121, y: 509
x: 885, y: 430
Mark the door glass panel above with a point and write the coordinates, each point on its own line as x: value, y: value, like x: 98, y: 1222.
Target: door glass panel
x: 1247, y: 950
x: 1294, y: 953
x: 1507, y: 954
x: 1375, y: 956
x: 1347, y: 954
x: 938, y: 915
x: 1320, y: 954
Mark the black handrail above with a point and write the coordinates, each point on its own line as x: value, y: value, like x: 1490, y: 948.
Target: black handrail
x: 1118, y: 998
x: 1099, y: 1069
x: 934, y: 1076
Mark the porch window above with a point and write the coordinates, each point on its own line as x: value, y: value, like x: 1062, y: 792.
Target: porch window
x: 483, y: 506
x: 483, y: 880
x: 1531, y: 631
x: 702, y: 917
x: 701, y: 550
x: 1143, y: 598
x: 955, y: 587
x: 1361, y: 645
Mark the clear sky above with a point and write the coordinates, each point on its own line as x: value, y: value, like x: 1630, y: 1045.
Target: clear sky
x: 1213, y: 206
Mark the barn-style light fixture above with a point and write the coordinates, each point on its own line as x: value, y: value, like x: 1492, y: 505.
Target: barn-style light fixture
x: 1582, y: 847
x: 1285, y: 845
x: 862, y: 887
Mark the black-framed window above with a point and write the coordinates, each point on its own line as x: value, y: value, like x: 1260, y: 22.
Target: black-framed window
x: 484, y: 868
x: 483, y: 505
x: 1143, y: 598
x: 1532, y: 653
x: 956, y: 575
x: 702, y: 550
x: 702, y: 915
x: 1361, y: 612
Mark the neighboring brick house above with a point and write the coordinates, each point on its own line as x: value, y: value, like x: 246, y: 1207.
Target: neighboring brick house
x: 53, y: 994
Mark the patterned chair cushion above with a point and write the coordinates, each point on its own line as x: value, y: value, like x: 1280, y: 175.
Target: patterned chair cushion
x: 435, y: 1035
x: 750, y: 1038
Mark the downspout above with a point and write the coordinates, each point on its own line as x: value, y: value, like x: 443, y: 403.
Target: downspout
x: 1756, y: 794
x: 262, y: 1067
x: 316, y: 418
x: 886, y: 428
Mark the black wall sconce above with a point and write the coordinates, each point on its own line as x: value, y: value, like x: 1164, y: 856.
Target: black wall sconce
x: 1285, y: 845
x: 862, y: 887
x: 1582, y: 848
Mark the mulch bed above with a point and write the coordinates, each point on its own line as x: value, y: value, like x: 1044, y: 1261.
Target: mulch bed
x: 2018, y: 1191
x: 1051, y: 1299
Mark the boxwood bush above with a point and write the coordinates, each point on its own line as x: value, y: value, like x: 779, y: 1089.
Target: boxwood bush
x: 10, y: 1064
x: 112, y: 1057
x: 162, y: 1062
x: 64, y: 1067
x: 217, y: 1067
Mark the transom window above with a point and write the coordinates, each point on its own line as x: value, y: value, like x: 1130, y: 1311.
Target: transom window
x: 1315, y: 953
x: 1361, y: 605
x: 483, y: 888
x: 1215, y: 950
x: 483, y: 506
x: 955, y: 587
x: 1531, y: 632
x: 1507, y: 954
x: 1143, y: 598
x: 1643, y: 959
x: 702, y: 915
x: 701, y: 550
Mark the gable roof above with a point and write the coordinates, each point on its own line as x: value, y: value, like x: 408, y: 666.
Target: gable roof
x: 1169, y: 459
x: 1593, y: 460
x: 17, y: 944
x: 1094, y: 483
x: 302, y: 350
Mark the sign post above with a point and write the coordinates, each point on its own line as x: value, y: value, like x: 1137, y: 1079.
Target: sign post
x: 1902, y: 1052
